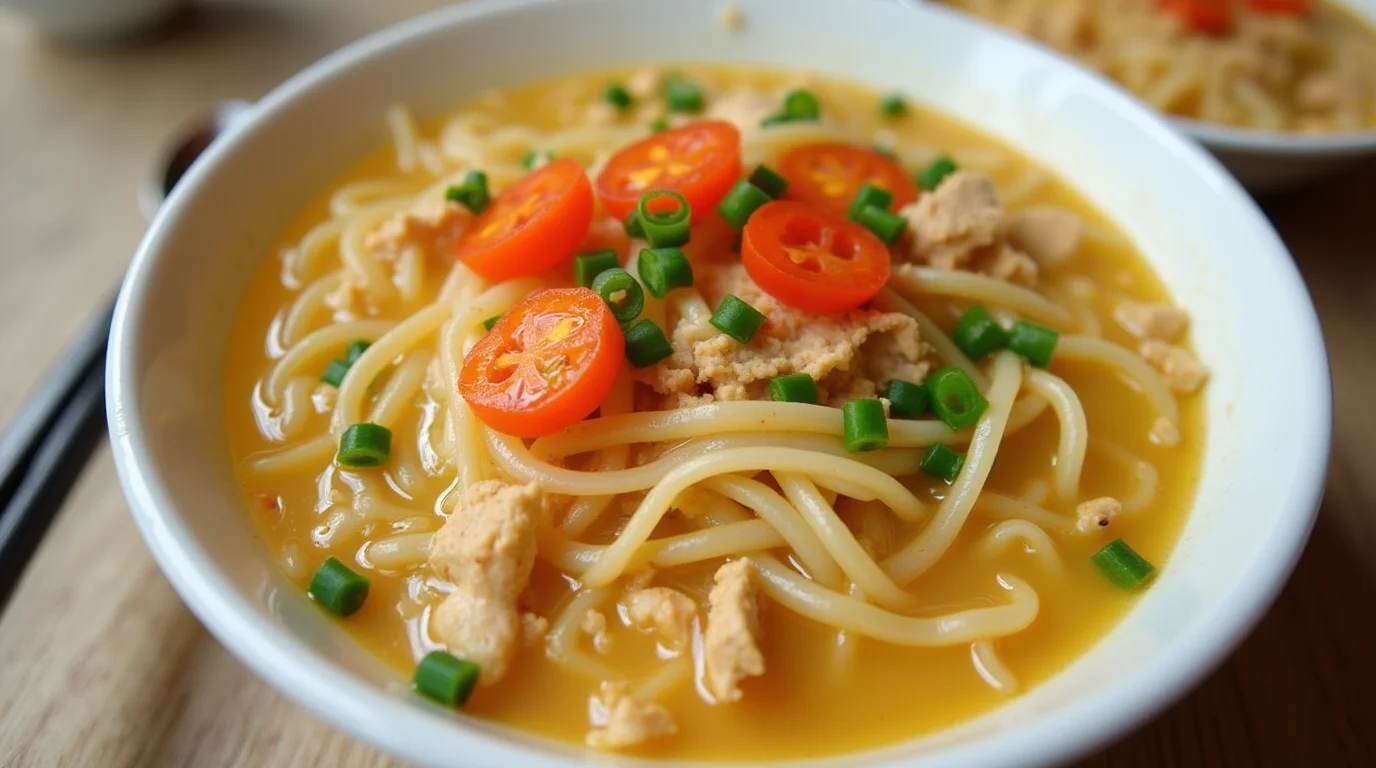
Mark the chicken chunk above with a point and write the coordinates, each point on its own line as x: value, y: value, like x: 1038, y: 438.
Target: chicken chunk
x: 1164, y: 432
x: 1178, y: 367
x: 731, y: 642
x: 849, y: 354
x: 1151, y: 320
x: 431, y: 228
x: 948, y: 225
x: 486, y: 549
x: 620, y: 720
x: 594, y: 625
x: 1004, y: 262
x: 1095, y: 515
x: 666, y: 611
x: 1048, y: 233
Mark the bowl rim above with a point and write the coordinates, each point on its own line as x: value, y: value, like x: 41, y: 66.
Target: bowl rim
x: 355, y: 707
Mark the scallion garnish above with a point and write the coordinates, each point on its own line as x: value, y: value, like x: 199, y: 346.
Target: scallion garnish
x: 869, y: 195
x: 646, y: 344
x: 737, y: 319
x: 863, y: 425
x: 886, y: 226
x: 682, y: 95
x: 977, y: 334
x: 743, y: 199
x: 893, y: 105
x: 794, y: 388
x: 621, y: 292
x: 491, y: 321
x: 942, y: 462
x: 954, y: 398
x: 1033, y: 343
x: 906, y: 399
x: 472, y: 193
x: 664, y: 269
x: 769, y: 182
x: 365, y: 445
x: 932, y: 175
x: 664, y: 225
x: 446, y: 678
x: 1123, y: 566
x: 588, y: 266
x: 617, y: 95
x: 338, y: 588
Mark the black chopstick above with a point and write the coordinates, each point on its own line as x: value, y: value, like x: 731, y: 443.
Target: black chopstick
x: 45, y: 450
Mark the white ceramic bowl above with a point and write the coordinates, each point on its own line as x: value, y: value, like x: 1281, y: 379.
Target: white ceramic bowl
x: 1268, y: 401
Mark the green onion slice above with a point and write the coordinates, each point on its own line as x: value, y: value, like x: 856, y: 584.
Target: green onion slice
x: 943, y: 463
x: 906, y: 399
x: 886, y: 226
x: 1123, y: 566
x: 794, y: 388
x: 742, y: 201
x: 646, y: 344
x: 588, y: 266
x: 1033, y: 343
x: 665, y: 226
x: 737, y: 319
x: 863, y: 426
x: 977, y: 334
x: 472, y: 193
x: 954, y: 397
x: 617, y: 95
x: 491, y: 321
x: 446, y: 678
x: 769, y: 182
x: 932, y: 176
x: 365, y: 445
x: 335, y: 372
x: 338, y: 588
x: 621, y: 292
x: 869, y: 195
x: 893, y: 105
x: 664, y: 269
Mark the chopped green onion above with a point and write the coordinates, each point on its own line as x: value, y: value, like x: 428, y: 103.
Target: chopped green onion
x: 931, y: 176
x: 355, y: 351
x: 472, y: 193
x: 775, y: 120
x: 906, y: 399
x: 588, y: 266
x: 632, y: 224
x: 794, y: 388
x: 536, y: 157
x: 864, y: 427
x: 365, y: 445
x: 886, y: 226
x: 1124, y: 567
x: 869, y: 195
x: 737, y: 319
x: 682, y: 95
x: 802, y: 105
x: 743, y: 199
x: 1034, y: 343
x: 335, y: 372
x: 446, y: 678
x: 942, y: 462
x: 977, y: 334
x: 621, y: 292
x: 646, y: 344
x: 491, y: 321
x: 664, y: 227
x: 664, y: 269
x: 338, y: 588
x: 659, y: 124
x: 893, y: 105
x: 618, y: 96
x: 955, y: 398
x: 769, y: 182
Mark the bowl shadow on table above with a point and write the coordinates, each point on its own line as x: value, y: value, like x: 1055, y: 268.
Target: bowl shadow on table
x: 1297, y: 691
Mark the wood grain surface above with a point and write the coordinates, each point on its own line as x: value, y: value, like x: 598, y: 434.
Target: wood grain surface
x: 101, y: 665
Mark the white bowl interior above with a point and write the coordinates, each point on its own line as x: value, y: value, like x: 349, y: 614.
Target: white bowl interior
x: 1268, y: 401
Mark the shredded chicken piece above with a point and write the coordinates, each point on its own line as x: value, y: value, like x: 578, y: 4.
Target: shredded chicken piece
x: 1048, y: 233
x: 946, y: 226
x: 431, y: 228
x: 600, y: 113
x: 1095, y: 515
x: 620, y: 720
x: 731, y: 642
x: 849, y: 354
x: 350, y: 298
x: 1182, y: 372
x: 534, y: 627
x: 594, y: 624
x: 1151, y: 320
x: 487, y: 549
x: 1007, y: 263
x: 1164, y: 432
x: 665, y: 611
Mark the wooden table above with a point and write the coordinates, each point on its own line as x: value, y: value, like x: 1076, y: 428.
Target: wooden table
x: 100, y: 663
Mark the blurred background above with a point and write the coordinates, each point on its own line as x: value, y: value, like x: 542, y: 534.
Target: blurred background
x: 102, y: 665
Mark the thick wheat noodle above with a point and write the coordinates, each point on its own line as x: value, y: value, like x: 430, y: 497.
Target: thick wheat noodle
x: 408, y: 275
x: 1144, y: 471
x: 727, y: 417
x: 401, y: 551
x: 651, y: 510
x: 317, y: 346
x: 404, y: 136
x: 991, y: 668
x: 977, y: 287
x: 670, y: 675
x: 945, y: 347
x: 1110, y: 354
x: 307, y: 306
x: 340, y: 525
x: 357, y: 259
x: 841, y: 544
x: 303, y: 456
x: 922, y: 552
x: 586, y: 509
x: 1074, y: 437
x: 398, y: 341
x: 712, y: 508
x: 401, y: 389
x: 739, y: 538
x: 1001, y: 507
x: 775, y: 510
x: 371, y: 201
x: 1001, y: 536
x: 790, y: 590
x: 296, y: 407
x: 1036, y: 492
x: 317, y: 240
x: 461, y: 426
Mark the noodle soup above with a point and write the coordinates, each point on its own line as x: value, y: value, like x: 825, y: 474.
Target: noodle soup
x: 1280, y: 65
x: 839, y: 480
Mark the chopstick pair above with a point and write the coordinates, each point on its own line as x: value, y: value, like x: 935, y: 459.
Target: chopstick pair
x: 44, y: 451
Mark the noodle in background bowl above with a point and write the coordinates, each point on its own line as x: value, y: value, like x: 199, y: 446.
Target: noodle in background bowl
x: 1268, y: 402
